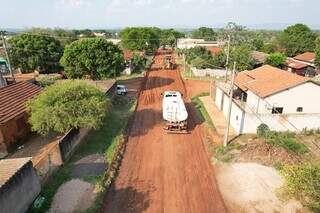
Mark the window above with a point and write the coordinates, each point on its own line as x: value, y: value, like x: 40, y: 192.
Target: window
x: 299, y: 109
x: 277, y: 110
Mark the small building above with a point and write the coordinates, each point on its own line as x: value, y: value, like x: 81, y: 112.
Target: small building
x: 282, y: 100
x: 307, y: 57
x: 299, y: 68
x: 128, y: 55
x: 14, y: 125
x: 19, y: 185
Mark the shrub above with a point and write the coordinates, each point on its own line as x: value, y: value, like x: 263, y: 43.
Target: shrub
x: 263, y: 130
x: 303, y: 182
x: 47, y: 80
x: 286, y: 140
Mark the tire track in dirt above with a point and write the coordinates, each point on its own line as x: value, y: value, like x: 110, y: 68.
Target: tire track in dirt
x: 163, y: 172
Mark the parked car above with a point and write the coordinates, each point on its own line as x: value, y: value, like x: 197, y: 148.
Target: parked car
x: 122, y: 90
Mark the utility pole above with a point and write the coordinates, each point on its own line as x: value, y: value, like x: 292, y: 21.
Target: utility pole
x: 7, y: 55
x: 227, y: 62
x: 226, y: 134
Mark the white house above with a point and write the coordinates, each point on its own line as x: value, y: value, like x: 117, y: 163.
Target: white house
x: 280, y: 99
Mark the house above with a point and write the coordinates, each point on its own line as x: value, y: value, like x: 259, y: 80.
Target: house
x: 282, y: 100
x: 19, y: 184
x: 300, y: 68
x: 302, y: 64
x: 128, y: 55
x: 13, y: 116
x: 307, y: 57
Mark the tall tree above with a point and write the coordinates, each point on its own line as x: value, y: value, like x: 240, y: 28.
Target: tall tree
x: 95, y: 57
x: 169, y: 37
x: 297, y: 39
x: 30, y: 52
x: 141, y: 38
x: 242, y: 56
x: 71, y: 104
x: 205, y: 33
x: 64, y: 36
x: 317, y: 52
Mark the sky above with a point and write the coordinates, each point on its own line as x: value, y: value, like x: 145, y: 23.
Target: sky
x: 106, y: 14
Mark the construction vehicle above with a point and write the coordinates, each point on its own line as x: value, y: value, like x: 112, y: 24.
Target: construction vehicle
x: 174, y: 112
x: 167, y: 62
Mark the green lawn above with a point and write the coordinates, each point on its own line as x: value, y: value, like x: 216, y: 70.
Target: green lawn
x: 102, y: 141
x: 201, y: 110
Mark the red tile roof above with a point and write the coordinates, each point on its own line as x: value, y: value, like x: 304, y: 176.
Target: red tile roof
x: 307, y: 57
x: 296, y: 64
x: 128, y: 54
x: 14, y: 97
x: 213, y: 50
x: 268, y: 80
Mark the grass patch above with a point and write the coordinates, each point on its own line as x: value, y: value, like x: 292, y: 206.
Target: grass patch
x: 303, y: 182
x: 201, y: 110
x: 102, y: 141
x: 286, y: 140
x: 224, y: 153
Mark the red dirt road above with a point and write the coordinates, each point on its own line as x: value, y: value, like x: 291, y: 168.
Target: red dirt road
x: 164, y: 172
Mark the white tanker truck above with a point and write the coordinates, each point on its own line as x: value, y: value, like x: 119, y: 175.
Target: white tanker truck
x: 174, y: 112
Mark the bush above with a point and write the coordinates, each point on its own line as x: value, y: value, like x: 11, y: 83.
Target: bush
x: 47, y: 80
x: 303, y: 182
x: 286, y: 140
x: 263, y: 130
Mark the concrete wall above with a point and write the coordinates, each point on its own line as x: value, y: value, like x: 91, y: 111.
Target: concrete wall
x: 19, y: 193
x: 48, y: 162
x: 220, y: 73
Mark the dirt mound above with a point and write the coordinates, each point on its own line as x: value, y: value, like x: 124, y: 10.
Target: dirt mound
x: 74, y: 195
x: 250, y: 187
x: 268, y: 154
x: 91, y: 165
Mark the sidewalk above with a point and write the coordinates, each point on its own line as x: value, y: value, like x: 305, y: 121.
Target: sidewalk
x: 218, y: 119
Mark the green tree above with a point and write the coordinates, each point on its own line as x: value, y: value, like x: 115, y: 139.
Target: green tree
x: 242, y: 56
x: 64, y: 36
x: 297, y: 39
x: 257, y: 43
x: 71, y: 104
x: 198, y: 52
x: 205, y: 33
x: 86, y: 33
x: 95, y: 57
x: 30, y: 52
x: 169, y: 37
x: 138, y: 62
x: 317, y: 52
x: 276, y: 59
x: 140, y: 38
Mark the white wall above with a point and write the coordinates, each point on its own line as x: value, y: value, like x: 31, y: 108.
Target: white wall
x: 218, y: 99
x: 276, y: 122
x: 306, y: 95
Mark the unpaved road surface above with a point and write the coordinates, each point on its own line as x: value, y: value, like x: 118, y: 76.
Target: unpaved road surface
x: 164, y: 172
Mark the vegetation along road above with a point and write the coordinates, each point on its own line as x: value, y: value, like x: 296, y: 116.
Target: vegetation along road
x: 164, y: 172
